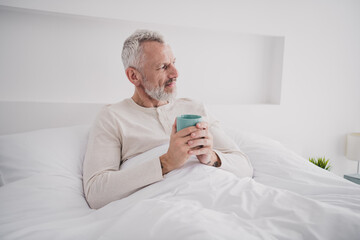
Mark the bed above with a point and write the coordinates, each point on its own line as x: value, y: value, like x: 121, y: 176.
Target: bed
x: 41, y: 194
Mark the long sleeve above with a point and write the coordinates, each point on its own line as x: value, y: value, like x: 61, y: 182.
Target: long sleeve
x: 103, y: 181
x: 232, y: 159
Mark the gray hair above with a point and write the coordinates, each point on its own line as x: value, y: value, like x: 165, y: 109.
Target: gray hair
x: 132, y: 50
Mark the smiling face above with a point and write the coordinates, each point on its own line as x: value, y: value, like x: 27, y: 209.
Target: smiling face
x: 158, y: 71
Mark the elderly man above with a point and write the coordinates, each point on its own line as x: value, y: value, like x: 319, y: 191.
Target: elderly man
x: 147, y: 120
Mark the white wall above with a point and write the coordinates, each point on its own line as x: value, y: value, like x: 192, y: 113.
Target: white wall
x: 68, y: 54
x: 320, y: 100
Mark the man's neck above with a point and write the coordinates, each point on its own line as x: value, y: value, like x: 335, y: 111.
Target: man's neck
x: 146, y: 101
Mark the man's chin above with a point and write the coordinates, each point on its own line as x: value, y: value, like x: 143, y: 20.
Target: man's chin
x: 173, y: 93
x: 169, y: 96
x: 163, y: 96
x: 170, y: 90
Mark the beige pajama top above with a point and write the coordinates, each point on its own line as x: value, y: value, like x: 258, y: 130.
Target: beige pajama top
x: 124, y: 130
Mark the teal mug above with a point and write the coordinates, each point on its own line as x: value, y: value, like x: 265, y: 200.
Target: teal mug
x: 187, y: 120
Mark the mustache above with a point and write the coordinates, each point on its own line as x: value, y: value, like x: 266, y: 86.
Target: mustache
x: 170, y: 81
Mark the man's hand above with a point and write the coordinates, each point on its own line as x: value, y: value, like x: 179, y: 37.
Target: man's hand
x: 195, y: 140
x: 201, y: 144
x: 178, y: 151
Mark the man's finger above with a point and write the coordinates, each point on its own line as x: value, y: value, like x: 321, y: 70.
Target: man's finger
x: 202, y: 125
x: 199, y: 142
x: 200, y: 134
x: 199, y: 151
x: 187, y: 131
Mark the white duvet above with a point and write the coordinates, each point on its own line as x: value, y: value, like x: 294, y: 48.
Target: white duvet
x: 288, y: 198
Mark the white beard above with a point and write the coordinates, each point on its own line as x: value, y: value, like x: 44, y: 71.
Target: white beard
x: 158, y: 93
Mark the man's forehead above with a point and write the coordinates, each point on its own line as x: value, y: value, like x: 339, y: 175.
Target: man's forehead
x: 156, y: 50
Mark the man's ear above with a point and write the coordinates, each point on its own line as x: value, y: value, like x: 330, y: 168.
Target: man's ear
x: 133, y: 75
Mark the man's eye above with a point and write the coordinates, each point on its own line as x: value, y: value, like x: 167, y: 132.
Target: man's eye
x: 164, y: 66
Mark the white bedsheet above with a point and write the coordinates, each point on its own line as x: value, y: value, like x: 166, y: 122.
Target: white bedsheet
x: 289, y: 198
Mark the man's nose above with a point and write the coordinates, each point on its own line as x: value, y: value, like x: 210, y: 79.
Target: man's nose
x: 173, y: 73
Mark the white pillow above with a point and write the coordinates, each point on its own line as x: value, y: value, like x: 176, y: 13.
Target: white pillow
x: 48, y: 151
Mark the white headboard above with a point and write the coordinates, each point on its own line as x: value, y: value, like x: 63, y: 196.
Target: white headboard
x: 26, y: 116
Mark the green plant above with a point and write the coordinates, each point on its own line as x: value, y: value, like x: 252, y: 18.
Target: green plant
x: 321, y: 162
